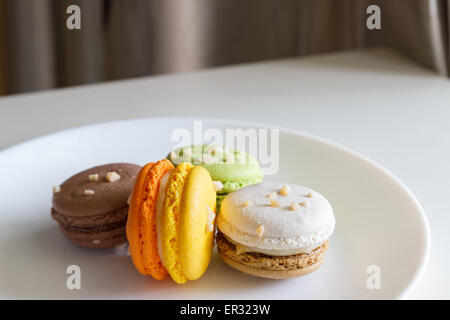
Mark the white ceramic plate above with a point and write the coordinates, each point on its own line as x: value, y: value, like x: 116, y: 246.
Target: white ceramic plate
x: 379, y: 222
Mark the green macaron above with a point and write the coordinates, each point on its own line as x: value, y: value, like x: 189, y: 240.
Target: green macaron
x: 230, y: 168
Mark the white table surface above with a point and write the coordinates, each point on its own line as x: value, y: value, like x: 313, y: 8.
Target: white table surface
x: 375, y: 102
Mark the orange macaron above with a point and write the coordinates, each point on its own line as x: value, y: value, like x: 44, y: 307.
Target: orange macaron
x: 171, y: 221
x: 141, y: 225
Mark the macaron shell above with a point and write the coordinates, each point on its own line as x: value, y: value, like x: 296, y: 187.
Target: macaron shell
x: 271, y: 274
x: 148, y: 226
x: 284, y: 229
x: 169, y: 236
x: 109, y: 196
x: 143, y: 210
x: 96, y: 220
x: 108, y: 243
x: 273, y: 267
x: 195, y: 238
x: 235, y: 172
x: 242, y: 171
x: 230, y: 186
x: 134, y: 220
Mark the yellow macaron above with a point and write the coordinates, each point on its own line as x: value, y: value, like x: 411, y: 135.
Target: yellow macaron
x: 186, y: 222
x: 196, y: 224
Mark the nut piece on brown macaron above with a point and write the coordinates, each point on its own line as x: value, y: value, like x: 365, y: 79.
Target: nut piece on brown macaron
x: 93, y: 212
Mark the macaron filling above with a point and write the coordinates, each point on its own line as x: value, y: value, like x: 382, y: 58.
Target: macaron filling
x: 244, y: 248
x: 159, y: 211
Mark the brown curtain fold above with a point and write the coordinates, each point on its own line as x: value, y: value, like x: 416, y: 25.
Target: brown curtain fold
x: 446, y: 20
x: 3, y: 64
x: 418, y: 29
x: 252, y: 30
x: 80, y: 54
x: 327, y: 26
x: 131, y: 38
x: 128, y: 35
x: 28, y: 46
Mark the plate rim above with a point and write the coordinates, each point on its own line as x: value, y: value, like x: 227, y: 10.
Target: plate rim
x: 418, y: 273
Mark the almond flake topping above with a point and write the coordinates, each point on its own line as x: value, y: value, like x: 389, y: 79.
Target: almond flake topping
x: 274, y: 203
x: 218, y: 185
x: 285, y: 190
x: 210, y: 220
x: 112, y: 176
x: 260, y: 230
x: 295, y: 206
x: 247, y: 203
x: 272, y: 196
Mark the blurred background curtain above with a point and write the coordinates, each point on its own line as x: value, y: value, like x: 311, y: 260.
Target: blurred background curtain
x: 131, y: 38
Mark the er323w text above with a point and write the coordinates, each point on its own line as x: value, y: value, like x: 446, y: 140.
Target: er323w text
x: 227, y: 309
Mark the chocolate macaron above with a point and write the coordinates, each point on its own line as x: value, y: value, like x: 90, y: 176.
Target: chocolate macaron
x: 91, y: 207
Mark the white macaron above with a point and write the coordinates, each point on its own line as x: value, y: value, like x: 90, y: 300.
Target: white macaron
x: 276, y: 218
